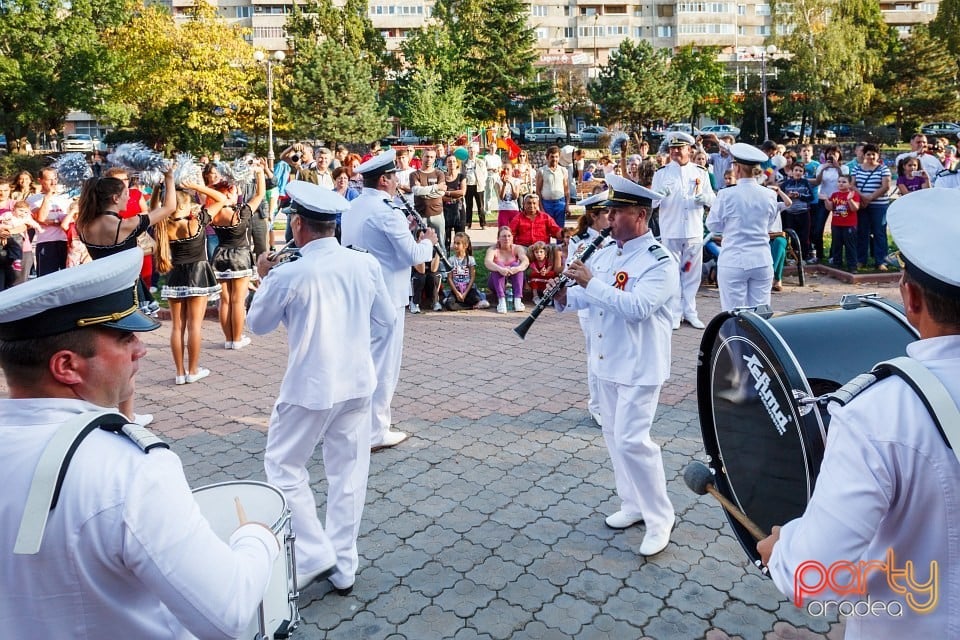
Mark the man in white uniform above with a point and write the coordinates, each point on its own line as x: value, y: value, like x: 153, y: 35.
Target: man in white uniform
x: 686, y: 188
x: 744, y: 214
x: 888, y: 493
x: 329, y: 300
x: 627, y: 287
x: 125, y: 552
x: 375, y: 225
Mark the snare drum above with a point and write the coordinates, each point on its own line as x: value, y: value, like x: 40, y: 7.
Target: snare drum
x: 278, y: 613
x: 765, y: 448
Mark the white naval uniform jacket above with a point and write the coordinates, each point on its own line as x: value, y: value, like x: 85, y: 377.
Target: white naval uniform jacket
x: 329, y: 300
x: 126, y: 552
x: 632, y: 327
x: 375, y: 226
x: 688, y: 192
x: 888, y: 481
x: 744, y: 214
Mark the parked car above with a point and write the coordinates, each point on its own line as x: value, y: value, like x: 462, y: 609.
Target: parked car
x: 591, y: 135
x: 517, y: 133
x: 721, y: 130
x: 558, y: 135
x: 407, y: 136
x: 828, y: 135
x: 79, y: 142
x: 685, y: 127
x: 949, y: 129
x: 792, y: 130
x: 841, y: 130
x: 236, y: 140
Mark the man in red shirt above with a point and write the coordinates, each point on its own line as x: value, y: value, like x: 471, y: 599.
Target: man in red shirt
x: 534, y: 225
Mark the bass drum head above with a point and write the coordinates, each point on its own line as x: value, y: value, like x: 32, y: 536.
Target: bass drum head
x: 261, y: 502
x: 764, y: 447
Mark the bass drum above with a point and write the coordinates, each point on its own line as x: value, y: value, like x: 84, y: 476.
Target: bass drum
x: 764, y: 446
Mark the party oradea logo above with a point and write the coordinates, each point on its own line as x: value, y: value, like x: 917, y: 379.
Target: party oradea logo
x: 848, y: 580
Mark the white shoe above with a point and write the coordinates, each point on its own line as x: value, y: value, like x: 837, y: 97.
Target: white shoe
x: 483, y: 304
x: 518, y: 306
x: 199, y: 375
x: 695, y: 322
x: 390, y: 439
x: 414, y: 308
x: 244, y: 341
x: 623, y: 520
x: 596, y: 418
x: 228, y: 345
x: 180, y: 380
x: 657, y: 540
x: 502, y: 306
x: 676, y: 326
x: 142, y: 419
x: 437, y: 306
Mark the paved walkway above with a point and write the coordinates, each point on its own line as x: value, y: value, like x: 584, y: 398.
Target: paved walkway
x: 488, y: 522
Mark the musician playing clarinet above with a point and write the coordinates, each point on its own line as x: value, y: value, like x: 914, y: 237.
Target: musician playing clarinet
x: 374, y: 225
x: 881, y: 533
x: 627, y: 289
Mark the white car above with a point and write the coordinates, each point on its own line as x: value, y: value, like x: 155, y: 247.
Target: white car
x: 722, y: 130
x: 79, y: 142
x: 551, y: 134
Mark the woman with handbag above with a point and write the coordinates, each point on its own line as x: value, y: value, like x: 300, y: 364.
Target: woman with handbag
x: 454, y: 209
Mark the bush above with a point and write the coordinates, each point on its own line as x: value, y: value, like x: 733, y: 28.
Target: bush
x: 14, y: 163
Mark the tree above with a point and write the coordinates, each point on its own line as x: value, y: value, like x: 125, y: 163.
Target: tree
x: 638, y: 85
x: 704, y: 79
x: 436, y: 109
x: 571, y: 93
x: 333, y: 95
x: 945, y: 26
x: 52, y: 60
x: 919, y: 81
x: 183, y: 85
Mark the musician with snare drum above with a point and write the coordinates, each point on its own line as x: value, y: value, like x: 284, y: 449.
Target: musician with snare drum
x: 331, y: 300
x: 374, y: 225
x: 627, y: 288
x: 125, y: 552
x: 886, y: 506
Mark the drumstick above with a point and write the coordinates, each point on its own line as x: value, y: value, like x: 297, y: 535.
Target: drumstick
x: 699, y: 479
x: 241, y: 513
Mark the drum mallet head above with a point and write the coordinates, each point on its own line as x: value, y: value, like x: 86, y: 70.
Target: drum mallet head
x: 699, y: 479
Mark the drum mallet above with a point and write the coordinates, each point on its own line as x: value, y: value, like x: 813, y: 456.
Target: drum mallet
x: 699, y: 479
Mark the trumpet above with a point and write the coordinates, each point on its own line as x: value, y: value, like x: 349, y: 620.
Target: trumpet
x: 561, y: 282
x: 285, y: 253
x: 421, y: 227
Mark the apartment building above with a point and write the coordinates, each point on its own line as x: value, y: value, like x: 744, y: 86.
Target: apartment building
x: 578, y: 33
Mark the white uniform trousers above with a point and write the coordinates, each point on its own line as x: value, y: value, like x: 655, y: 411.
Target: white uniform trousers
x: 593, y: 402
x: 293, y: 435
x: 688, y: 252
x: 387, y: 353
x: 627, y: 413
x: 741, y: 287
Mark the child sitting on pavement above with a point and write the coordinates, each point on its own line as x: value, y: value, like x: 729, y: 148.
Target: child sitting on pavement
x: 463, y: 289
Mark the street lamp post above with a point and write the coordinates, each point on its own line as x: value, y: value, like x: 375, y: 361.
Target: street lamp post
x: 763, y: 53
x: 263, y: 58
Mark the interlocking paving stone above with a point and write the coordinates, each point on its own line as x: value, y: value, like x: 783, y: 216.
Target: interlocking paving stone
x: 500, y: 492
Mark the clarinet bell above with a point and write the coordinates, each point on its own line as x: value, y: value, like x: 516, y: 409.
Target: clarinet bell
x: 522, y: 328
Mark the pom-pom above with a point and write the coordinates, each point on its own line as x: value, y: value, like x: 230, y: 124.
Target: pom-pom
x: 151, y: 178
x: 72, y: 169
x: 241, y: 172
x: 617, y: 142
x: 137, y: 157
x: 187, y: 170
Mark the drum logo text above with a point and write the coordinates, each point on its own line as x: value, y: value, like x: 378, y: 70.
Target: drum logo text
x: 762, y: 385
x: 845, y: 578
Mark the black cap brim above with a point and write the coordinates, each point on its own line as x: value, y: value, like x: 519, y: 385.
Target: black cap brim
x: 136, y: 321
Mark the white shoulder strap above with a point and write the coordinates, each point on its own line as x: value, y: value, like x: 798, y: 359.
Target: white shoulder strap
x: 51, y: 468
x: 932, y: 393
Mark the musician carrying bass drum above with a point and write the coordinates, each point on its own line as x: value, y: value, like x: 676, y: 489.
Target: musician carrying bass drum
x: 626, y: 290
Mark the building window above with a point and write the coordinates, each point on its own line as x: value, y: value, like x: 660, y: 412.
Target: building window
x: 569, y: 32
x: 741, y: 9
x: 903, y: 30
x: 711, y: 29
x: 269, y: 32
x: 762, y: 30
x: 664, y: 31
x: 638, y: 32
x: 538, y: 11
x: 617, y: 30
x: 542, y: 33
x: 588, y: 11
x: 703, y: 7
x: 589, y: 32
x: 741, y: 30
x: 785, y: 29
x: 243, y: 12
x: 616, y: 10
x: 762, y: 10
x: 928, y: 7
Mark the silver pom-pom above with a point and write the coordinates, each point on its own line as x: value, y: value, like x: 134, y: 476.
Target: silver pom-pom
x: 187, y: 170
x: 241, y: 172
x: 137, y: 157
x: 617, y: 142
x: 72, y: 169
x: 151, y: 178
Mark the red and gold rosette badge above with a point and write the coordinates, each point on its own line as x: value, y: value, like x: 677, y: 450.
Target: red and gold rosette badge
x: 620, y: 280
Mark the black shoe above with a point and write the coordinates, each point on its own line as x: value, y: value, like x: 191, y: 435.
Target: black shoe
x: 343, y: 592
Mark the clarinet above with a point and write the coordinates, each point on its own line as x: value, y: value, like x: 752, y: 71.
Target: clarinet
x: 561, y: 282
x: 421, y: 227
